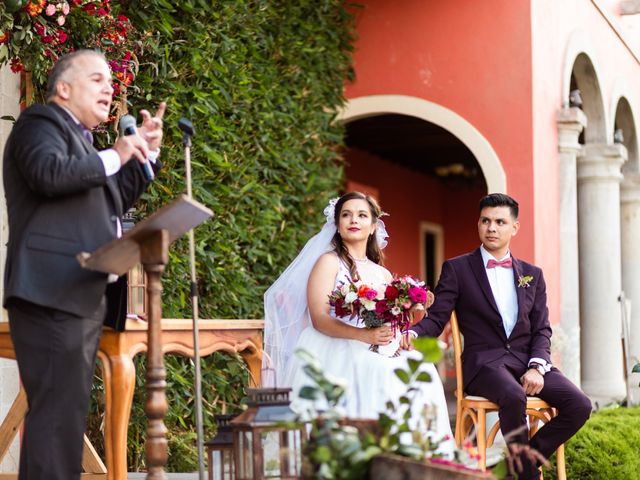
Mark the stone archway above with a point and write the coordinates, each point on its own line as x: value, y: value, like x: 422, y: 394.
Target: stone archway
x: 484, y: 153
x: 626, y: 133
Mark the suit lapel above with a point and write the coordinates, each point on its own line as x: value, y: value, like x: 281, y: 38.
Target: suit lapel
x: 520, y: 292
x: 76, y: 130
x: 477, y: 267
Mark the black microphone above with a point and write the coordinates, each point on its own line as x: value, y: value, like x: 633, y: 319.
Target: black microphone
x: 128, y: 127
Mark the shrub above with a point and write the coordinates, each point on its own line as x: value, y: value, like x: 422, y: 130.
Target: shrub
x: 605, y: 448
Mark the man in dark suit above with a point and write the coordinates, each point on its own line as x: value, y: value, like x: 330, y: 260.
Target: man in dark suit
x: 501, y: 305
x: 64, y: 197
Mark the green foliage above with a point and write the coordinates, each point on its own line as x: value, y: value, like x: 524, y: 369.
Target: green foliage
x: 605, y: 447
x: 336, y: 449
x: 261, y: 82
x: 395, y: 421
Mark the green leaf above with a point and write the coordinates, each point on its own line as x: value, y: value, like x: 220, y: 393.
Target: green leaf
x: 414, y: 364
x: 429, y: 348
x: 636, y: 368
x: 423, y: 377
x: 309, y: 393
x: 402, y: 375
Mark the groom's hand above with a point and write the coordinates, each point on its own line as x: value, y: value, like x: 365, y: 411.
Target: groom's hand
x: 532, y: 382
x: 406, y: 341
x: 417, y: 313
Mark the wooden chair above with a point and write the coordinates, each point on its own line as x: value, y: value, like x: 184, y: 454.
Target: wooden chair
x: 471, y: 411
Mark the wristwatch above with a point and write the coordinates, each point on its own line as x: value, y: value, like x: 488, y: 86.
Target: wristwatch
x: 538, y: 367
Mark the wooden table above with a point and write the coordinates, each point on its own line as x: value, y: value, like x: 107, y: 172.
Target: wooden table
x: 116, y: 353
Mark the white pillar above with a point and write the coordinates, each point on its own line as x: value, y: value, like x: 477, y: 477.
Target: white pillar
x: 9, y: 382
x: 630, y: 231
x: 571, y: 122
x: 599, y: 179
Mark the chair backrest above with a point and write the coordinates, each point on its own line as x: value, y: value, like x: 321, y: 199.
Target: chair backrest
x: 457, y: 353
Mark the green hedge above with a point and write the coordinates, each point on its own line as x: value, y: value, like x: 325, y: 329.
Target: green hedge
x: 262, y: 82
x: 607, y: 447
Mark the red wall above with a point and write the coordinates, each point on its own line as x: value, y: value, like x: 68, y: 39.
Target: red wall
x: 471, y: 57
x: 411, y: 198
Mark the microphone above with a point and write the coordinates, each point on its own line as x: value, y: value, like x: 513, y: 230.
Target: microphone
x: 127, y: 126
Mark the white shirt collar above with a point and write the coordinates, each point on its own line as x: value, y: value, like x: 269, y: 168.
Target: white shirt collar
x: 486, y: 256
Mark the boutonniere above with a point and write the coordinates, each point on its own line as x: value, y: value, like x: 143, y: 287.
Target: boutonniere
x: 524, y: 281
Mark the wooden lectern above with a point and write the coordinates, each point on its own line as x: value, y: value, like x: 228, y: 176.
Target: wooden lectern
x: 148, y: 243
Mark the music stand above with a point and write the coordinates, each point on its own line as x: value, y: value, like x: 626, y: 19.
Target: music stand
x: 148, y: 243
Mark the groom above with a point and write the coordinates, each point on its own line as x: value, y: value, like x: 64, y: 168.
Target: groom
x: 501, y: 304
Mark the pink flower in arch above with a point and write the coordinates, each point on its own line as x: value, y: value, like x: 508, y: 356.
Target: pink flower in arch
x: 50, y: 10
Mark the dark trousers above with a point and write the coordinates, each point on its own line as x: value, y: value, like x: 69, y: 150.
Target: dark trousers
x: 56, y: 354
x: 500, y: 383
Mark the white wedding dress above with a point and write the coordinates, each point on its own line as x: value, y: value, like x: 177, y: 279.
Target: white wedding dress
x: 369, y: 376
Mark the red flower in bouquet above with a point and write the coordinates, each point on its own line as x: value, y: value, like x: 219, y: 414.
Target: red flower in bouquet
x: 374, y: 308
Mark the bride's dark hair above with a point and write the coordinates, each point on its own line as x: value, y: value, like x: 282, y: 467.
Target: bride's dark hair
x: 374, y: 253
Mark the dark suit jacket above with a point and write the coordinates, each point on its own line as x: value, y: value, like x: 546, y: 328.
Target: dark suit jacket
x: 59, y: 203
x: 464, y: 287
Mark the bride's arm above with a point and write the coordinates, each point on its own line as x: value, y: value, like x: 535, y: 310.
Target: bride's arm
x: 320, y: 286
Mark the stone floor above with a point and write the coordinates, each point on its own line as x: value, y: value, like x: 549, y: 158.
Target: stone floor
x: 169, y: 476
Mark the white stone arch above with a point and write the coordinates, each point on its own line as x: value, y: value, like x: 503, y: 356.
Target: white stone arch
x: 580, y: 60
x: 369, y: 106
x: 621, y: 111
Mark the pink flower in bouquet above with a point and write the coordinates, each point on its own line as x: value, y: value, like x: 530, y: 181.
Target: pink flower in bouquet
x: 418, y: 294
x: 365, y: 291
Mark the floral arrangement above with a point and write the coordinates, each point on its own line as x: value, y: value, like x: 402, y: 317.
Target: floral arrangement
x: 375, y: 307
x: 35, y: 33
x: 524, y: 281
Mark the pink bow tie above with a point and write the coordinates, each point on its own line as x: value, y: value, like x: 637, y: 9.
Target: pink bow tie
x: 506, y: 263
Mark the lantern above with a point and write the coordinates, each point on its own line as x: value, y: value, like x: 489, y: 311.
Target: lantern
x: 220, y: 450
x: 266, y: 437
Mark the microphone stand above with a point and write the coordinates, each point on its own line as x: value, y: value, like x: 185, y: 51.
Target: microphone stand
x: 187, y: 132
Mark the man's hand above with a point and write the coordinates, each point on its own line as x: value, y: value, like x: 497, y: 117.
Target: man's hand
x: 532, y: 381
x: 131, y: 146
x: 406, y: 341
x: 417, y: 313
x: 151, y: 128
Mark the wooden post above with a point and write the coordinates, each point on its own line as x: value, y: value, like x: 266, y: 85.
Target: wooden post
x: 154, y: 257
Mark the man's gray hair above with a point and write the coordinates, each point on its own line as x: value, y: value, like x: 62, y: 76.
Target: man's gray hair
x: 63, y: 65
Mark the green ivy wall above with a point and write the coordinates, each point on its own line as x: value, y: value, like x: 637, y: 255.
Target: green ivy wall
x: 261, y: 81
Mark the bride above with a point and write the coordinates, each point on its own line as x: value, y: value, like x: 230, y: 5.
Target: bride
x: 298, y: 316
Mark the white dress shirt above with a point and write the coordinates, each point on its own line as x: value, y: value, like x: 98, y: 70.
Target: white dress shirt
x: 504, y: 290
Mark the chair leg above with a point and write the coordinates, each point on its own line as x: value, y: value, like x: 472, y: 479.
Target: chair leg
x: 458, y: 431
x: 481, y: 438
x: 560, y: 463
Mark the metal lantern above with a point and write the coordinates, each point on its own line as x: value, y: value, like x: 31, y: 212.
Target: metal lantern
x: 220, y: 450
x: 267, y: 440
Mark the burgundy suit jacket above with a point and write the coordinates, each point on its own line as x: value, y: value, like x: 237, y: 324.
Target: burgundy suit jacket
x: 464, y: 288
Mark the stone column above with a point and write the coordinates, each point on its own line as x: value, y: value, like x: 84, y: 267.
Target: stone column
x: 630, y: 231
x: 9, y: 381
x: 599, y: 179
x: 571, y: 122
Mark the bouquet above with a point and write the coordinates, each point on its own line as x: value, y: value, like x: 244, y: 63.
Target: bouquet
x: 391, y: 304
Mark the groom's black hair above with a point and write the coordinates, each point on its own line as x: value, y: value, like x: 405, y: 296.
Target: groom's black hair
x: 500, y: 200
